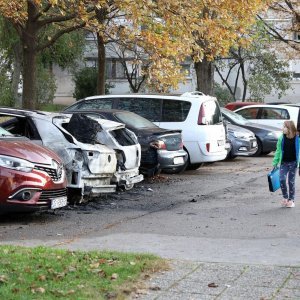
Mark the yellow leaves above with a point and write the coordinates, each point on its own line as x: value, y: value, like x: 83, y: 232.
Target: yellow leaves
x: 39, y: 290
x: 3, y: 279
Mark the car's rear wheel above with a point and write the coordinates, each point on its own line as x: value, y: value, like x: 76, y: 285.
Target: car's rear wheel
x: 176, y: 170
x: 192, y: 166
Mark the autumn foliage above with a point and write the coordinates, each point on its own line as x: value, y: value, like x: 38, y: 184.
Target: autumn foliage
x: 168, y: 31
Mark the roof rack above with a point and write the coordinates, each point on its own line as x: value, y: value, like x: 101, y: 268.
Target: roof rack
x: 192, y: 94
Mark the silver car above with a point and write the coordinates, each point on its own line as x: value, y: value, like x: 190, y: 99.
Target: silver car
x: 243, y: 141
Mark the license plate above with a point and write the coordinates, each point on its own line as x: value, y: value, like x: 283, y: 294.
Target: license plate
x: 221, y: 143
x: 58, y: 202
x: 254, y: 144
x: 178, y: 160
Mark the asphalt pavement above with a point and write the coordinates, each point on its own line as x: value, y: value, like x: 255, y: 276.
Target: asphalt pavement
x: 224, y: 233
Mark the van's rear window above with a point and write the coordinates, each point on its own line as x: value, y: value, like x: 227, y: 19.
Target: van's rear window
x: 175, y: 110
x: 212, y: 112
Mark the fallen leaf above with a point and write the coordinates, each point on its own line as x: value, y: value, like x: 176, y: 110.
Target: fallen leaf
x: 114, y: 276
x: 102, y: 273
x: 212, y: 285
x: 102, y: 261
x: 141, y: 292
x: 42, y: 278
x: 3, y: 279
x: 155, y: 288
x: 40, y: 290
x: 94, y: 265
x: 80, y: 286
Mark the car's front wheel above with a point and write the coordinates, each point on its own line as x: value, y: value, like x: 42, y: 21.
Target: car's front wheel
x: 259, y: 148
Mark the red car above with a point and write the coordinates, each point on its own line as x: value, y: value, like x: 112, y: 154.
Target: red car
x: 32, y: 177
x: 238, y: 104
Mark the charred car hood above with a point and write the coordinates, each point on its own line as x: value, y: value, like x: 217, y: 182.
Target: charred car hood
x: 29, y: 151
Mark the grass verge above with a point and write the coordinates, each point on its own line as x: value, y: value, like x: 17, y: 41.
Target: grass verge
x: 46, y: 273
x: 51, y: 107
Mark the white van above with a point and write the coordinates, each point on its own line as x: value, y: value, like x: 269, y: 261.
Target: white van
x: 197, y: 115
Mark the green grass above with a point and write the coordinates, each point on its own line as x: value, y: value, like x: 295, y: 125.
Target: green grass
x: 51, y: 107
x: 46, y: 273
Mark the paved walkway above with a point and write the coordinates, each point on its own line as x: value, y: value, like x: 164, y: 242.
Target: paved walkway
x: 207, y: 281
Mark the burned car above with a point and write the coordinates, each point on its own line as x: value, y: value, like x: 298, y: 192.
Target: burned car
x: 32, y: 177
x: 93, y: 129
x: 89, y: 168
x: 162, y: 149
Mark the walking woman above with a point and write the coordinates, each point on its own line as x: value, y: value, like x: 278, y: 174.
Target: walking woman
x: 287, y: 156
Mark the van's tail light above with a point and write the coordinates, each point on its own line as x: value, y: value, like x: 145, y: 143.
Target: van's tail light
x: 207, y: 147
x: 181, y: 145
x: 201, y: 116
x: 158, y: 145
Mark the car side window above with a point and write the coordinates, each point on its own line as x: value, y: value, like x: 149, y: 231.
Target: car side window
x: 175, y: 111
x: 94, y: 104
x: 249, y: 113
x: 275, y: 113
x: 145, y: 107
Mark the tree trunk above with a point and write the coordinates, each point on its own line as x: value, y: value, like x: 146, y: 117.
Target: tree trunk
x: 101, y: 65
x: 29, y: 41
x: 17, y: 64
x: 205, y: 76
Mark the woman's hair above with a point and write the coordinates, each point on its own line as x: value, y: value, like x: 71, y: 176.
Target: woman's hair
x: 292, y: 131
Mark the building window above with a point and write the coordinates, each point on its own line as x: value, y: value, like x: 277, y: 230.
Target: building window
x: 186, y: 70
x: 296, y: 36
x: 114, y: 69
x: 296, y: 76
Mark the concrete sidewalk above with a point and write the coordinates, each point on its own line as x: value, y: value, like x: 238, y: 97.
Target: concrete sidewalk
x: 207, y: 281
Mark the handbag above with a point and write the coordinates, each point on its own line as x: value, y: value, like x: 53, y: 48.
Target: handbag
x: 273, y: 180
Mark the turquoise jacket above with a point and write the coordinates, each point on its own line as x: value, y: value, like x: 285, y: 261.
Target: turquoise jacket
x: 279, y: 151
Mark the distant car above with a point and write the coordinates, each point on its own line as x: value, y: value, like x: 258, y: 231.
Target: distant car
x: 91, y: 168
x: 267, y: 114
x: 243, y: 141
x: 238, y: 104
x: 162, y: 149
x: 32, y: 177
x: 266, y: 136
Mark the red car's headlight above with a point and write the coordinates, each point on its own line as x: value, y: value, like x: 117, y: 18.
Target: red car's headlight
x: 16, y: 163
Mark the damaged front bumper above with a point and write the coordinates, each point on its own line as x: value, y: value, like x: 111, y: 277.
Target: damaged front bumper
x: 126, y: 179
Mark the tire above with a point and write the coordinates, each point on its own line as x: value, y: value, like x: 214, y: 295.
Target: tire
x: 128, y: 187
x: 230, y: 157
x: 259, y: 148
x: 194, y: 166
x: 176, y: 170
x: 74, y: 196
x: 266, y: 152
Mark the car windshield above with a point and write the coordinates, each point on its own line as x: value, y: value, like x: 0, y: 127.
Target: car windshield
x: 238, y: 119
x: 4, y: 132
x: 134, y: 121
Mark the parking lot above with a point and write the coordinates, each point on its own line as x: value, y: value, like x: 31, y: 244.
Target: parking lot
x: 220, y: 212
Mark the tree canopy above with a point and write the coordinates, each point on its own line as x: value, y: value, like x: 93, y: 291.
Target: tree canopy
x: 168, y: 31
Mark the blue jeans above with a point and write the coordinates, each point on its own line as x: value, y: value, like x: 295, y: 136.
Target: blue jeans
x: 288, y: 169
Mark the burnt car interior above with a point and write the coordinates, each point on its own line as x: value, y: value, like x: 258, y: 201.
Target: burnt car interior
x: 19, y: 126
